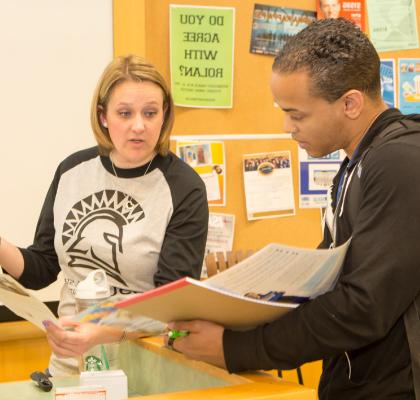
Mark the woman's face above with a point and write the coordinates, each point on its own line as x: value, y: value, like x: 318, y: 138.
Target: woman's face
x: 134, y: 118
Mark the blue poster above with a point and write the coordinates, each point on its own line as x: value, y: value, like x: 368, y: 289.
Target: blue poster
x: 388, y: 82
x: 409, y: 85
x: 272, y: 26
x: 316, y: 176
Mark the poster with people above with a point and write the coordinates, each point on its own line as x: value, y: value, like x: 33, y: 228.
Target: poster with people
x: 268, y: 182
x: 353, y: 10
x: 271, y: 26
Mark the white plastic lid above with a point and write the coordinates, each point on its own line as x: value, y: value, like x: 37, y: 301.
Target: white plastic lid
x: 94, y: 286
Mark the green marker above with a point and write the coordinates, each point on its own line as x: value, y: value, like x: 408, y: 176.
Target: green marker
x: 173, y: 334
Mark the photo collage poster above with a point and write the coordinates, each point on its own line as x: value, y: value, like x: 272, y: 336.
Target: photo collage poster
x: 208, y: 160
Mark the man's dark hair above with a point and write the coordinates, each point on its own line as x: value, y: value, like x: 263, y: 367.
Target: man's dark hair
x: 338, y: 57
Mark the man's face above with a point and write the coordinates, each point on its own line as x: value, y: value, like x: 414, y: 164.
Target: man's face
x: 330, y: 8
x: 316, y: 124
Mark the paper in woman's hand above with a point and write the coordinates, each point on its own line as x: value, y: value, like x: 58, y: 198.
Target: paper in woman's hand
x: 19, y: 300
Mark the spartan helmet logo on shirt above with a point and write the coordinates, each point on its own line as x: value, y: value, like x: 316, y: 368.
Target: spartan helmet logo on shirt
x: 93, y: 230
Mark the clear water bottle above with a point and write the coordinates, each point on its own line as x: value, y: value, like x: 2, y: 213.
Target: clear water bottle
x: 92, y: 290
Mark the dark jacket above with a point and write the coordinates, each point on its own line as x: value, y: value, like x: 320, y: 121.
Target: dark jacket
x: 360, y: 327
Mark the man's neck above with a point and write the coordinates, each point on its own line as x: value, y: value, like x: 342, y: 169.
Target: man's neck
x: 364, y: 123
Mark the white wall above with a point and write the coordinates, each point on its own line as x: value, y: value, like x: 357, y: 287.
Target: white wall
x: 52, y: 53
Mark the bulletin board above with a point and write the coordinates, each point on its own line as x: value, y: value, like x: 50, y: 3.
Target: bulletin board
x: 302, y: 229
x: 252, y: 113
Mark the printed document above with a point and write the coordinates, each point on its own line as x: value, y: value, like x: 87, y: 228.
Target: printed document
x: 15, y: 297
x: 259, y: 289
x: 294, y: 271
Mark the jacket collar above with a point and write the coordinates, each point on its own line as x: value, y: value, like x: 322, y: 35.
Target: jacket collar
x: 382, y: 121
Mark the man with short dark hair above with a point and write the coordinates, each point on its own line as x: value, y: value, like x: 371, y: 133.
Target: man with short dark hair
x: 367, y: 328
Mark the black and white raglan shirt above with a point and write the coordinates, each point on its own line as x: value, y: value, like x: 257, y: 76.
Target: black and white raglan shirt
x: 143, y: 229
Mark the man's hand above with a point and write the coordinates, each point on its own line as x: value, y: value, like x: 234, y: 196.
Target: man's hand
x: 203, y: 343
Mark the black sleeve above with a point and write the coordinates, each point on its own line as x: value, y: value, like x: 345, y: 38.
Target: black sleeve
x: 41, y: 265
x: 380, y: 279
x: 184, y: 244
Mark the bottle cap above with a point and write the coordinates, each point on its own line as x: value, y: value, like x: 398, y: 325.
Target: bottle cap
x: 94, y: 286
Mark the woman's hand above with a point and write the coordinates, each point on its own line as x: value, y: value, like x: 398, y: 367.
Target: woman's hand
x: 72, y: 338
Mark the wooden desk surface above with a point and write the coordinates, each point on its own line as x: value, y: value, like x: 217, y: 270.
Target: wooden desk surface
x: 19, y: 330
x: 203, y: 381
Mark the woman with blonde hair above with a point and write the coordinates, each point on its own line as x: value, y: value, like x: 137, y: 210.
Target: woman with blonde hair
x: 127, y: 206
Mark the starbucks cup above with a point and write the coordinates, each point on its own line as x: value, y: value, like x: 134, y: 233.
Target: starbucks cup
x: 92, y: 290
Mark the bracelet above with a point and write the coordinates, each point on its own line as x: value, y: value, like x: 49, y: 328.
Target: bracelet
x: 123, y: 337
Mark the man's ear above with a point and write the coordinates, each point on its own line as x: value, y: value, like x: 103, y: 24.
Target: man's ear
x: 353, y: 102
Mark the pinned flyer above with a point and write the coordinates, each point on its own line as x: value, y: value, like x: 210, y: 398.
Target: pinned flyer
x: 221, y: 231
x: 409, y: 85
x: 208, y: 160
x: 272, y: 26
x: 316, y: 176
x: 388, y: 80
x: 201, y: 55
x: 393, y: 24
x: 268, y: 185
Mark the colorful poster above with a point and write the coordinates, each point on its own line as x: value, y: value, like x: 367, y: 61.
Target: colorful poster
x: 208, y: 160
x: 388, y: 91
x: 353, y: 10
x: 268, y: 185
x: 201, y: 55
x: 409, y: 85
x: 315, y: 177
x: 271, y: 26
x: 393, y: 24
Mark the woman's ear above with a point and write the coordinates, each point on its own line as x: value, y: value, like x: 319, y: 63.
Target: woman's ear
x: 353, y: 103
x: 102, y: 118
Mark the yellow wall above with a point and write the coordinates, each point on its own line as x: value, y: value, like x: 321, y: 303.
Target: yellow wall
x: 252, y: 112
x: 129, y: 19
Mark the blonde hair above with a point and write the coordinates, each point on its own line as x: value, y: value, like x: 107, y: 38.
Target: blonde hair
x: 122, y: 69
